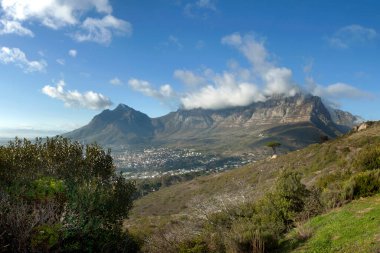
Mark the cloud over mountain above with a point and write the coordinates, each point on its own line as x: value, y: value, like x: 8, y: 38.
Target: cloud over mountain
x: 238, y: 86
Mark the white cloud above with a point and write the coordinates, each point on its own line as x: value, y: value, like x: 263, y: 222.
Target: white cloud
x: 188, y: 77
x: 351, y: 35
x: 116, y: 81
x: 15, y: 27
x: 164, y: 92
x: 61, y: 62
x: 276, y: 80
x: 206, y: 4
x: 75, y: 99
x: 225, y: 92
x: 17, y: 57
x: 73, y: 53
x: 173, y: 41
x: 56, y: 14
x: 200, y: 8
x: 238, y: 86
x: 336, y: 91
x: 101, y: 30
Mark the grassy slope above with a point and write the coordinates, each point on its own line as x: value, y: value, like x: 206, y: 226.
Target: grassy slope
x: 353, y: 228
x: 252, y: 180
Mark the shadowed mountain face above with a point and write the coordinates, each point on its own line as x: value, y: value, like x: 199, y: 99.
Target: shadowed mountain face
x: 294, y: 121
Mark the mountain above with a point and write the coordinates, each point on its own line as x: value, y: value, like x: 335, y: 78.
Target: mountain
x: 121, y: 126
x: 293, y: 121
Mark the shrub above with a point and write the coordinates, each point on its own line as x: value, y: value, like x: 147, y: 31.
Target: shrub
x: 45, y: 237
x: 57, y: 195
x: 197, y: 245
x: 368, y: 158
x: 363, y: 184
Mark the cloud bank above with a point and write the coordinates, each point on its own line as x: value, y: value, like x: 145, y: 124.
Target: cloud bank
x: 57, y: 14
x: 89, y: 99
x: 238, y: 86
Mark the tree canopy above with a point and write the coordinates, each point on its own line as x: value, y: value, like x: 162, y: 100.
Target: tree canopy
x: 274, y: 145
x: 60, y: 196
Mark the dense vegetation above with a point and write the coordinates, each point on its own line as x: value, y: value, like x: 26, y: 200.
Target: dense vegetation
x: 59, y: 196
x: 256, y: 208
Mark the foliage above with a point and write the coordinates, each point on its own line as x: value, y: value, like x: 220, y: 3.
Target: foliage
x: 57, y: 195
x: 274, y: 145
x: 257, y: 227
x: 363, y: 184
x: 368, y: 158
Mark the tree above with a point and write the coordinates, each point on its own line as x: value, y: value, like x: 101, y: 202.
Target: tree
x: 59, y: 196
x: 274, y: 145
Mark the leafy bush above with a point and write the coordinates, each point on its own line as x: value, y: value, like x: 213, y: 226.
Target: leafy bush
x: 57, y: 195
x: 368, y: 158
x: 363, y: 184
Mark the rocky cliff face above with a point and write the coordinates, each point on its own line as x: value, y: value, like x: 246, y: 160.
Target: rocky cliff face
x: 295, y: 121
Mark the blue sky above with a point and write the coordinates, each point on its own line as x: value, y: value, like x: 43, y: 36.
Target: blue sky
x: 64, y: 61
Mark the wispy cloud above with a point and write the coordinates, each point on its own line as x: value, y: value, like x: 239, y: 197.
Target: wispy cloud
x: 102, y: 30
x: 14, y: 27
x: 56, y: 14
x: 336, y: 91
x: 116, y: 81
x: 173, y: 41
x: 189, y: 77
x: 73, y: 53
x: 75, y: 99
x: 164, y: 92
x: 18, y: 58
x: 200, y: 8
x: 352, y: 35
x: 61, y: 61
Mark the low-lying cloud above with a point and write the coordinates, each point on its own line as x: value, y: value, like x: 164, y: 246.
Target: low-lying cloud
x: 75, y: 99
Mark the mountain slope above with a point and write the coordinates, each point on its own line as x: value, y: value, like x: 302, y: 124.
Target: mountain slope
x: 122, y: 126
x: 254, y: 180
x: 294, y: 121
x: 351, y: 229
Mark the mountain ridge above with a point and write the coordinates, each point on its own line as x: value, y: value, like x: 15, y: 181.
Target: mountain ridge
x: 295, y: 121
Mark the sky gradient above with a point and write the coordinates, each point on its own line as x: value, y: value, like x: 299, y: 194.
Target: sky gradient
x: 64, y: 61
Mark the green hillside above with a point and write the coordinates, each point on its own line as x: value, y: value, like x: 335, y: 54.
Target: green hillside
x: 314, y: 162
x: 338, y: 171
x: 353, y: 228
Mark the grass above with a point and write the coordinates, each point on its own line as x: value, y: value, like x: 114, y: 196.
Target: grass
x: 353, y: 228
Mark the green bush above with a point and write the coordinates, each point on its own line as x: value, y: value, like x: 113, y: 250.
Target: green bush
x: 363, y: 184
x: 196, y: 245
x: 45, y: 237
x: 46, y: 188
x: 368, y: 158
x: 61, y: 196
